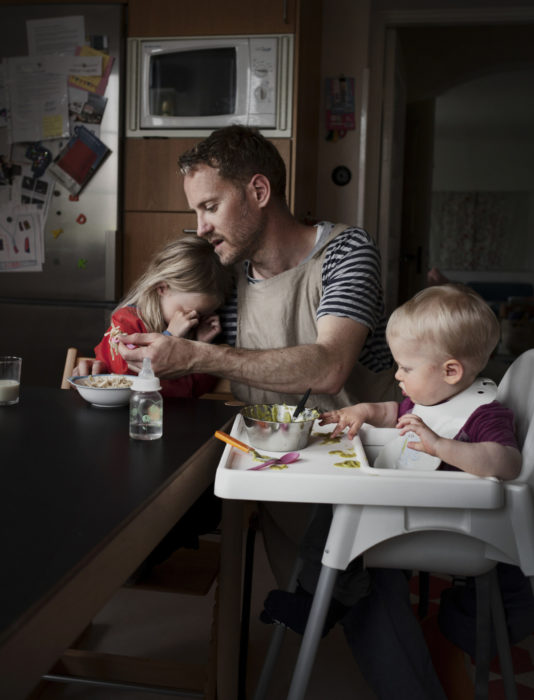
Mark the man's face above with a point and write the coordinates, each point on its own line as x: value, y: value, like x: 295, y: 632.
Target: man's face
x: 227, y: 215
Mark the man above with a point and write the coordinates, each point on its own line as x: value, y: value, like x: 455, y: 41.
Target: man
x: 309, y: 299
x: 307, y: 312
x: 308, y: 309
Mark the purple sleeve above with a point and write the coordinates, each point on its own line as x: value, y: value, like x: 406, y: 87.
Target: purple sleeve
x: 405, y: 406
x: 491, y: 422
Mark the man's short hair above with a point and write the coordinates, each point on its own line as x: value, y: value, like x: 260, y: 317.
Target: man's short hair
x: 238, y: 153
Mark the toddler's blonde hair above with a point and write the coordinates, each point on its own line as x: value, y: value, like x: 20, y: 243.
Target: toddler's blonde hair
x: 187, y: 264
x: 453, y: 320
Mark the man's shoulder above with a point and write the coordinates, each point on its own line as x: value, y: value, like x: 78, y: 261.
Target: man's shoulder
x: 350, y: 237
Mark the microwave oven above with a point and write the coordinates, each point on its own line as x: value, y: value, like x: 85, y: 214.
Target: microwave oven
x: 188, y: 86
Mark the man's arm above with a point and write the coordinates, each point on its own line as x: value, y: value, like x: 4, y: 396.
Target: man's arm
x: 324, y: 365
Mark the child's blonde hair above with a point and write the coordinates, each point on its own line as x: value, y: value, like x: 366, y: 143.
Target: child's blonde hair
x: 453, y: 319
x: 188, y: 264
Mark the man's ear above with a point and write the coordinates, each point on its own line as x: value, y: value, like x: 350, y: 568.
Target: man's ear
x: 453, y: 371
x: 261, y: 188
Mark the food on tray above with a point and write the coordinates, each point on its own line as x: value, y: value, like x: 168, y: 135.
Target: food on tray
x: 107, y: 382
x: 279, y: 413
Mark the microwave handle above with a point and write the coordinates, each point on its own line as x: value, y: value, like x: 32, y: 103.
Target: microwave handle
x: 189, y: 230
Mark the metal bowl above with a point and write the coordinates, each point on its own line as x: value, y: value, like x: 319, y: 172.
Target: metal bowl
x: 270, y: 426
x: 103, y: 397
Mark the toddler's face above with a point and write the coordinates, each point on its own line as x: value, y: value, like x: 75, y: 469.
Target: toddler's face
x: 171, y: 301
x: 421, y: 375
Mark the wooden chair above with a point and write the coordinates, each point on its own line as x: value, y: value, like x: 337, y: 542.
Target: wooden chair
x: 186, y: 572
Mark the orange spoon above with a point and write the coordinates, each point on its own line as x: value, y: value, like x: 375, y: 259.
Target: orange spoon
x: 237, y: 443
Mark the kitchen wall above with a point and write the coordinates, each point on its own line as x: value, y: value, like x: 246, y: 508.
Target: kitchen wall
x: 347, y: 48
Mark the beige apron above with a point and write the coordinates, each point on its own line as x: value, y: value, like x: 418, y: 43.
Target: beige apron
x: 280, y: 312
x: 276, y: 313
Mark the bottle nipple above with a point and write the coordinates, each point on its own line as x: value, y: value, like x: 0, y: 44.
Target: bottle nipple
x: 146, y: 370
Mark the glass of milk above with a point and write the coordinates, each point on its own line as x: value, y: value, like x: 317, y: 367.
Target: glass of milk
x: 9, y: 379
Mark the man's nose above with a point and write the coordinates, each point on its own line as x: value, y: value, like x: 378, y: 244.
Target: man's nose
x: 203, y: 227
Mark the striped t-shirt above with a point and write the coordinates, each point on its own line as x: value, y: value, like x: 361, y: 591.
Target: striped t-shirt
x: 352, y: 288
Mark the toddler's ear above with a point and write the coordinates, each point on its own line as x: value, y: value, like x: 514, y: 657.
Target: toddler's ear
x: 453, y: 371
x: 162, y: 288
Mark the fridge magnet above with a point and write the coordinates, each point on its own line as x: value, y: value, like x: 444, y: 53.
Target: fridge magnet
x: 76, y: 164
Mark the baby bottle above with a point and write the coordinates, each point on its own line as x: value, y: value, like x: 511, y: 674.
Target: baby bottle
x: 146, y: 405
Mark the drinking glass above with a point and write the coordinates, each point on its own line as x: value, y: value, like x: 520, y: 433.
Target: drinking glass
x: 10, y: 367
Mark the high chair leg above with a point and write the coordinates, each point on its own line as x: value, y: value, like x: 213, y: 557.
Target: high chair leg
x: 312, y: 635
x: 502, y: 638
x: 276, y: 642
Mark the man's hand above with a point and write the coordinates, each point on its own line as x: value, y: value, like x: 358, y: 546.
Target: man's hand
x: 169, y: 356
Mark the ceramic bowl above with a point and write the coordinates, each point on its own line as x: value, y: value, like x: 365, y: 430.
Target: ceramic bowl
x: 270, y: 426
x: 103, y: 397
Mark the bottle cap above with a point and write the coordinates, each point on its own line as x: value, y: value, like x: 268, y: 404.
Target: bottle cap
x: 146, y: 380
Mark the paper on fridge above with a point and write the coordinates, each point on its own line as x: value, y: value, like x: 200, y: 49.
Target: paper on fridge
x: 38, y: 100
x: 59, y: 35
x: 21, y: 238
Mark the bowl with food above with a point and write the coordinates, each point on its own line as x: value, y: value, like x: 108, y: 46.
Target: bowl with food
x: 273, y: 427
x: 103, y: 390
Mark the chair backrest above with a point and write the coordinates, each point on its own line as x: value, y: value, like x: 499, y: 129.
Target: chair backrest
x: 516, y: 390
x: 71, y: 360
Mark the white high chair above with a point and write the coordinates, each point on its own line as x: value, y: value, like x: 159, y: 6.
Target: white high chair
x: 445, y: 528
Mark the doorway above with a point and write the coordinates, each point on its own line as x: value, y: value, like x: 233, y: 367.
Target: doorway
x: 467, y: 141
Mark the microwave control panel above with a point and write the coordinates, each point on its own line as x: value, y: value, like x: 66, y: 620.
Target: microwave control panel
x: 262, y: 96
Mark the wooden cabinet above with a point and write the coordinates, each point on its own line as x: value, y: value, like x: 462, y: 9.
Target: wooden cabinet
x: 152, y: 181
x: 155, y: 208
x: 146, y: 232
x: 210, y: 17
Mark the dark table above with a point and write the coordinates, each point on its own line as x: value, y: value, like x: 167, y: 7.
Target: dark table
x: 81, y: 505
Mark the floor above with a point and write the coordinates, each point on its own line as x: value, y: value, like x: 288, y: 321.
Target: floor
x: 144, y: 623
x: 153, y: 618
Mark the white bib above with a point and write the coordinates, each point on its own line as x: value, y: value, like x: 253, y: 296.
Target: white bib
x: 446, y: 419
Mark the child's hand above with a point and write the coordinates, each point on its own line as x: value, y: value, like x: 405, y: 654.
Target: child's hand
x: 208, y: 328
x: 428, y: 438
x: 351, y: 417
x: 182, y: 322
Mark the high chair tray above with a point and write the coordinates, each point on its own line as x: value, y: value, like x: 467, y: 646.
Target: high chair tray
x: 337, y: 471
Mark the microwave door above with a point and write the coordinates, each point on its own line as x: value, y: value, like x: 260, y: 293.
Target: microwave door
x: 195, y: 84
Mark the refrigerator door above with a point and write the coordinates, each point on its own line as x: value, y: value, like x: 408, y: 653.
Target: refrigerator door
x: 81, y: 236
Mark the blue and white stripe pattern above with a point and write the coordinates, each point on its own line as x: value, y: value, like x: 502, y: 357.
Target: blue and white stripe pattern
x: 351, y: 289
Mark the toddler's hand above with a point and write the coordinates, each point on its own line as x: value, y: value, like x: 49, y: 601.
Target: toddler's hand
x: 351, y: 417
x: 208, y: 328
x: 428, y: 438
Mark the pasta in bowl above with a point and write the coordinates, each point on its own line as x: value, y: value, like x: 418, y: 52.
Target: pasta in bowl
x: 103, y: 390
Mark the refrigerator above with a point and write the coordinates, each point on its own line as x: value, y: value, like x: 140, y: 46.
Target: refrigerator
x: 67, y: 302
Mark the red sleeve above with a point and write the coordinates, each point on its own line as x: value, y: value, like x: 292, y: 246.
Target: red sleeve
x: 124, y: 320
x: 188, y: 386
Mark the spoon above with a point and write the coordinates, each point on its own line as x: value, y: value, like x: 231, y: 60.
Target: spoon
x: 300, y: 405
x: 284, y: 459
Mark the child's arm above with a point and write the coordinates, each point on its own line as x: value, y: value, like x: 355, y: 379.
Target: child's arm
x: 380, y: 415
x: 478, y: 458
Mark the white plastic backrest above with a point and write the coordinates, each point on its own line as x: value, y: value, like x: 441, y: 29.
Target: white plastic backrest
x: 516, y: 390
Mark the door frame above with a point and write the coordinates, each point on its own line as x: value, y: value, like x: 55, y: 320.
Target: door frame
x: 377, y: 215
